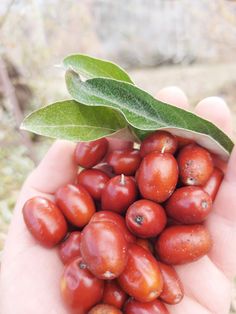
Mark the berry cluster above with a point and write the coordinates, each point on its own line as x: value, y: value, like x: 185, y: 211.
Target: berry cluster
x: 130, y: 216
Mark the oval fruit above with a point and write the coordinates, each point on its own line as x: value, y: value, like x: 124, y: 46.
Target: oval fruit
x: 157, y: 176
x: 104, y: 249
x: 183, y: 244
x: 213, y: 184
x: 145, y: 218
x: 93, y: 181
x: 189, y: 205
x: 195, y: 165
x: 44, y: 220
x: 124, y: 161
x: 76, y: 204
x: 146, y: 244
x: 113, y: 294
x: 79, y: 288
x: 70, y: 248
x: 89, y: 154
x: 141, y: 278
x: 108, y: 216
x: 119, y: 193
x: 159, y: 141
x: 173, y: 291
x: 153, y: 307
x: 104, y: 309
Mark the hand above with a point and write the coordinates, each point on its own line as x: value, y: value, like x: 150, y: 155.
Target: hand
x: 30, y: 274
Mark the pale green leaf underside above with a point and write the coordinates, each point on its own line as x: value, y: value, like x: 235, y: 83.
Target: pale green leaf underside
x: 73, y: 121
x: 91, y: 67
x: 144, y: 112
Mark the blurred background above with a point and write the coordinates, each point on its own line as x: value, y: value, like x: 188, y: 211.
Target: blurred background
x: 191, y: 44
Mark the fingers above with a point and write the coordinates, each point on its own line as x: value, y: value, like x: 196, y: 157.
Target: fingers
x: 188, y: 306
x: 32, y: 279
x: 230, y: 175
x: 200, y: 278
x: 222, y: 221
x: 216, y: 110
x: 223, y: 232
x: 57, y: 168
x: 174, y: 96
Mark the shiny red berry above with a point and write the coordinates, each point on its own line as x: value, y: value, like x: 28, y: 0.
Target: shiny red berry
x: 80, y: 289
x: 104, y: 309
x: 159, y: 141
x: 113, y: 294
x: 157, y: 176
x: 195, y: 165
x: 183, y: 244
x: 173, y: 291
x: 119, y: 193
x: 141, y: 278
x: 93, y: 181
x: 89, y: 154
x: 76, y: 204
x: 153, y: 307
x: 104, y: 249
x: 189, y: 205
x: 70, y: 248
x: 213, y: 183
x: 124, y: 161
x: 108, y: 216
x: 44, y: 220
x: 145, y: 218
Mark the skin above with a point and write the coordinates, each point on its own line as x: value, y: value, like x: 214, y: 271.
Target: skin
x: 37, y: 289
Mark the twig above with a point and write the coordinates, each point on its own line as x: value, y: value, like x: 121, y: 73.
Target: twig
x: 13, y: 106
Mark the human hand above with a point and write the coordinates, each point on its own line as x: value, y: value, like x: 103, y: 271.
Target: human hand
x: 30, y: 274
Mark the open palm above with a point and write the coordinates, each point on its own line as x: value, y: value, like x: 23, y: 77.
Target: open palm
x: 30, y: 274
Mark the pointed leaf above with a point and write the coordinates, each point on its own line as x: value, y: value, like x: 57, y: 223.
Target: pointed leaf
x: 90, y: 67
x: 73, y: 121
x: 145, y: 113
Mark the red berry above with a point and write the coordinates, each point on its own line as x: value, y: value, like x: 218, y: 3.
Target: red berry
x: 44, y: 221
x: 104, y: 249
x: 93, y: 181
x: 183, y: 244
x: 173, y: 291
x: 108, y: 216
x: 146, y: 244
x: 159, y: 141
x: 104, y: 167
x: 157, y: 176
x: 153, y: 307
x: 76, y: 204
x: 195, y: 165
x: 213, y: 184
x: 70, y: 248
x: 113, y: 294
x: 119, y: 193
x: 104, y: 309
x: 189, y: 205
x: 79, y: 288
x: 183, y: 141
x: 145, y: 218
x: 124, y: 161
x: 89, y: 154
x: 141, y: 278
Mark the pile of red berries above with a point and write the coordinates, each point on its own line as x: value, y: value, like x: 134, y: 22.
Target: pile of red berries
x: 130, y: 216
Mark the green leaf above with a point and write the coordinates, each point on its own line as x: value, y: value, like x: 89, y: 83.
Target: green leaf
x: 73, y: 121
x: 90, y: 67
x: 144, y: 113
